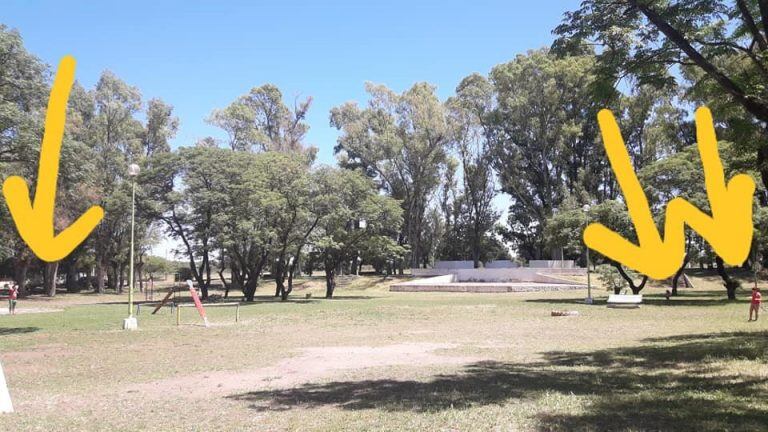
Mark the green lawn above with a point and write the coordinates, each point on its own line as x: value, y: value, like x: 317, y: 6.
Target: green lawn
x: 375, y: 360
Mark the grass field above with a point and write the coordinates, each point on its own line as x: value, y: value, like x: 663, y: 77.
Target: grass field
x: 375, y: 360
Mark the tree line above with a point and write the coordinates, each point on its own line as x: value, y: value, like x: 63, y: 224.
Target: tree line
x: 416, y: 176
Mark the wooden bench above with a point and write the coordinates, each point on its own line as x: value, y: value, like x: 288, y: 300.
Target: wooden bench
x: 628, y: 301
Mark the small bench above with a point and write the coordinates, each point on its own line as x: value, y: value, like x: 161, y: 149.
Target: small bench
x: 628, y: 301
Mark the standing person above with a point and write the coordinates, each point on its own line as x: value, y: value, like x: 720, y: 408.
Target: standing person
x: 12, y: 295
x: 754, y: 304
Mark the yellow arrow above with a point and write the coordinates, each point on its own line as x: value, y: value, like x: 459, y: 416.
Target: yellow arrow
x: 35, y: 221
x: 728, y: 230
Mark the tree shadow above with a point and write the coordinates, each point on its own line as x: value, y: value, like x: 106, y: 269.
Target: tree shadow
x: 678, y: 383
x: 6, y: 331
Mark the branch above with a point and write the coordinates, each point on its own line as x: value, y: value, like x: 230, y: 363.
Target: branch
x: 750, y: 22
x: 755, y: 107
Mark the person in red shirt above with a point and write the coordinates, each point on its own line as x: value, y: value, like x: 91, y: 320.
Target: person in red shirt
x: 754, y: 304
x: 13, y: 294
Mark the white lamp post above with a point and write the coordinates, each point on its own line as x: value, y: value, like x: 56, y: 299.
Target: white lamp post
x: 588, y: 300
x: 130, y: 323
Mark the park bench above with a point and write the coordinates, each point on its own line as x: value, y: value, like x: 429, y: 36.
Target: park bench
x: 625, y: 300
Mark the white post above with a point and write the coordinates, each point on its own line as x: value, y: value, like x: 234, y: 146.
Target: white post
x: 131, y: 323
x: 5, y: 398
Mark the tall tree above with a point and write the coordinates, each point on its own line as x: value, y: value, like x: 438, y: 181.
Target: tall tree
x: 23, y: 97
x: 260, y: 121
x: 471, y: 112
x: 401, y: 140
x: 543, y: 140
x: 724, y: 41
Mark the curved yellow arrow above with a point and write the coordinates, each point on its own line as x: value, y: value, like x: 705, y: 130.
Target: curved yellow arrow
x: 34, y: 221
x: 728, y: 230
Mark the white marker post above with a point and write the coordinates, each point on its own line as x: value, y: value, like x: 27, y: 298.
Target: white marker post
x: 5, y: 398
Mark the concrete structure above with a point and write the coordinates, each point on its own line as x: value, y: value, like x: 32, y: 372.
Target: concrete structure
x: 502, y: 264
x: 551, y: 264
x: 451, y: 283
x: 493, y: 280
x: 449, y: 265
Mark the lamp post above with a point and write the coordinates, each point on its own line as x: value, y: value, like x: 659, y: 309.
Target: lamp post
x: 588, y: 300
x: 130, y: 323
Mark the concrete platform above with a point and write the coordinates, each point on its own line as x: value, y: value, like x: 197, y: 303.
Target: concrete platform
x: 499, y: 281
x: 484, y: 287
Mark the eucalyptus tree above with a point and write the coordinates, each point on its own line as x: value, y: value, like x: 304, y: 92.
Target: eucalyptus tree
x: 400, y: 140
x: 471, y: 112
x: 23, y: 97
x: 544, y: 140
x: 113, y: 133
x: 260, y: 121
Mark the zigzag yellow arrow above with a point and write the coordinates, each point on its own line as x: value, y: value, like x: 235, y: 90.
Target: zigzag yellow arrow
x: 35, y: 221
x: 728, y: 230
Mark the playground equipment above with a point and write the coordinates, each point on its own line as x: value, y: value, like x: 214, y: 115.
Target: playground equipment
x: 199, y: 306
x: 5, y: 398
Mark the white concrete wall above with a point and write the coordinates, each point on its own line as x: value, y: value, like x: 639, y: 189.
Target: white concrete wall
x: 502, y: 264
x: 514, y: 275
x: 419, y: 272
x: 454, y: 265
x: 432, y: 280
x: 551, y: 264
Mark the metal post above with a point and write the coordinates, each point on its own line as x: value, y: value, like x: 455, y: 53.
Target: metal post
x: 589, y: 281
x: 130, y: 323
x: 588, y: 300
x: 178, y: 315
x: 237, y: 313
x: 130, y: 278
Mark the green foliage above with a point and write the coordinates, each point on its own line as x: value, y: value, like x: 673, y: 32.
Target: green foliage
x: 544, y: 147
x: 400, y: 140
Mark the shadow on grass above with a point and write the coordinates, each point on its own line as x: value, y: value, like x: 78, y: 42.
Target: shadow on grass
x: 678, y: 383
x: 689, y: 298
x: 6, y: 331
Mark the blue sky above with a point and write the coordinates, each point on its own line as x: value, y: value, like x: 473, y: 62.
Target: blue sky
x: 199, y: 56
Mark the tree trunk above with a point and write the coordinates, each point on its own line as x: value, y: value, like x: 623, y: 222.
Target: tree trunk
x: 50, y: 272
x: 20, y: 275
x: 280, y: 281
x: 635, y: 288
x: 140, y: 277
x: 730, y: 284
x: 330, y: 281
x: 120, y: 277
x: 249, y: 288
x: 71, y: 278
x: 676, y: 278
x: 100, y: 277
x: 224, y: 282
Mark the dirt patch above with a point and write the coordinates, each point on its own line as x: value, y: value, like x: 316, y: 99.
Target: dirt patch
x: 312, y: 364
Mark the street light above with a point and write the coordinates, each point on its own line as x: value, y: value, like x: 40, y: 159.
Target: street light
x: 130, y: 323
x: 588, y: 300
